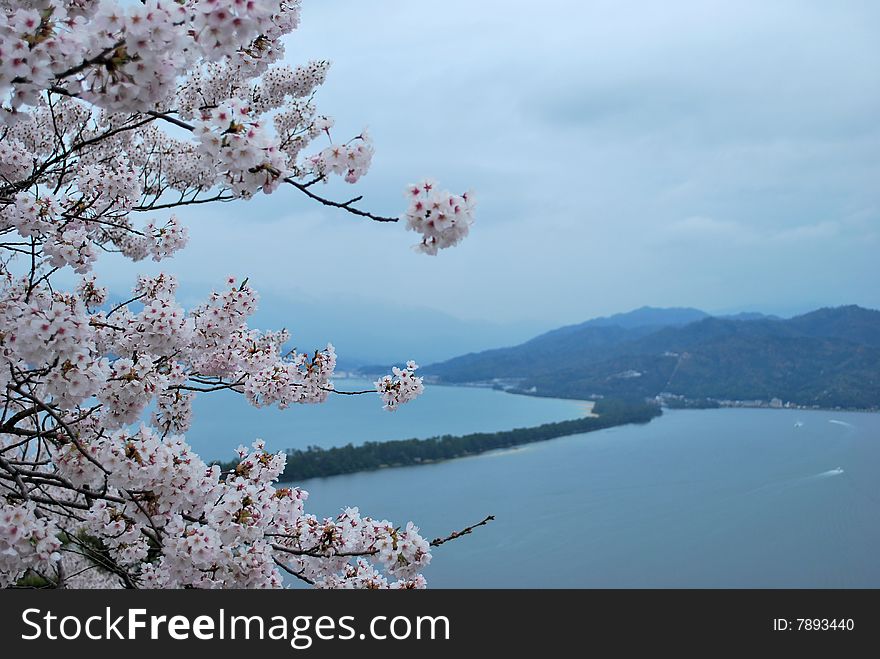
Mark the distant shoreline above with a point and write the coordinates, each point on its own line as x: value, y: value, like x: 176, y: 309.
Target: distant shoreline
x: 704, y: 404
x: 697, y: 406
x: 689, y: 404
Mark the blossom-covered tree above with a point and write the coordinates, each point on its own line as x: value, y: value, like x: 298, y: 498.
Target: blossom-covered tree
x: 113, y: 115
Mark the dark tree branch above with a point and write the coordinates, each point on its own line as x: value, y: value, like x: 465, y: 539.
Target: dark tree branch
x: 436, y: 542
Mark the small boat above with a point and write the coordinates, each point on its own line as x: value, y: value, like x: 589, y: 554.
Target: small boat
x: 837, y: 470
x: 798, y: 424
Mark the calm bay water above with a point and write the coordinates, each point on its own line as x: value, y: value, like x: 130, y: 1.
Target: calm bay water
x: 708, y: 498
x: 704, y: 498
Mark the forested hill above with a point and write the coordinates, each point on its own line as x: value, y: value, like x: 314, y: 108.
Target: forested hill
x: 829, y: 358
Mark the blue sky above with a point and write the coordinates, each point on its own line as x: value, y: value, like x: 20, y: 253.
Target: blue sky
x: 722, y: 155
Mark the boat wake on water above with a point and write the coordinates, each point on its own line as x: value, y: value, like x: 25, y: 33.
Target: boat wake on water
x: 794, y: 482
x: 837, y: 471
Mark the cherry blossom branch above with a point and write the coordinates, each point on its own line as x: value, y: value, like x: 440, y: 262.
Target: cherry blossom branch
x: 184, y: 202
x: 302, y: 187
x: 349, y: 393
x: 346, y: 206
x: 70, y: 434
x: 436, y: 542
x: 298, y: 574
x: 110, y: 489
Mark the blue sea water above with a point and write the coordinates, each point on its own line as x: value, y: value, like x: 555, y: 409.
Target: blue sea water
x: 696, y: 498
x: 702, y: 498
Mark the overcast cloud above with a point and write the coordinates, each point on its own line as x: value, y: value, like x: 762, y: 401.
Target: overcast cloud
x: 722, y: 155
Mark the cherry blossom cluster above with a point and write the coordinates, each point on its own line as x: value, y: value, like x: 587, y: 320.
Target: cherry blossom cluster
x: 128, y: 57
x: 114, y: 117
x: 131, y: 386
x: 15, y: 162
x: 179, y: 522
x: 351, y: 161
x: 27, y: 541
x: 246, y: 155
x: 164, y: 239
x: 173, y: 412
x: 310, y: 542
x: 400, y: 387
x: 363, y: 575
x: 92, y: 294
x: 49, y: 333
x: 69, y: 235
x: 299, y: 378
x: 214, y: 529
x: 444, y: 219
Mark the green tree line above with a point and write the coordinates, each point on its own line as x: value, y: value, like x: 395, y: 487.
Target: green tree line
x: 314, y: 461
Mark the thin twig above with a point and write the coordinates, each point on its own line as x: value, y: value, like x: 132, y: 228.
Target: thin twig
x: 436, y: 542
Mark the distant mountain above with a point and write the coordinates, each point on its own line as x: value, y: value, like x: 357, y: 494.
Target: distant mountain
x: 582, y: 343
x: 829, y: 357
x: 749, y: 315
x: 851, y: 322
x: 644, y: 317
